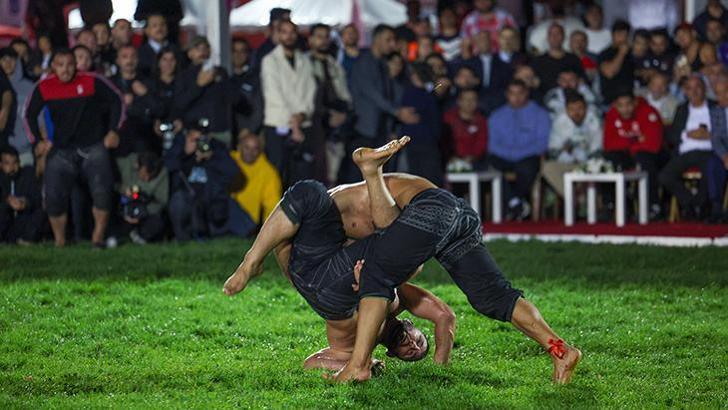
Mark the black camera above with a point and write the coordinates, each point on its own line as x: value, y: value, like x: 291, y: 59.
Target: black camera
x: 134, y: 206
x: 203, y: 143
x: 167, y: 130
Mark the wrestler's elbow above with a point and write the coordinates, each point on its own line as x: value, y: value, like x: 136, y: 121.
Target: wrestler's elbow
x: 446, y: 318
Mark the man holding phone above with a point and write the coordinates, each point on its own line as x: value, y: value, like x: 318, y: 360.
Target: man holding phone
x: 690, y: 134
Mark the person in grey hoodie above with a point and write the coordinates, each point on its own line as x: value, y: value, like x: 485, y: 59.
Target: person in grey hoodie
x: 22, y: 87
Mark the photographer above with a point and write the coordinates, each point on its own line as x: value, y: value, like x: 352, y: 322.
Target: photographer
x: 145, y: 194
x: 201, y: 172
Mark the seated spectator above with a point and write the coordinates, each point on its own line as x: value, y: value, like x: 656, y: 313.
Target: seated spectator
x: 106, y: 54
x: 424, y: 157
x: 156, y: 32
x: 448, y: 39
x: 718, y: 165
x: 42, y: 56
x: 576, y: 135
x: 121, y: 33
x: 257, y: 193
x: 142, y: 106
x: 659, y: 58
x: 289, y: 89
x: 687, y: 41
x: 616, y: 66
x: 658, y: 95
x: 21, y: 210
x: 421, y: 48
x: 493, y: 73
x: 86, y: 114
x: 555, y: 99
x: 526, y: 74
x: 640, y: 55
x: 715, y: 36
x: 8, y: 98
x: 206, y: 92
x: 633, y: 135
x: 690, y: 134
x: 202, y: 172
x: 519, y: 133
x: 578, y: 41
x: 714, y: 10
x: 555, y: 60
x: 87, y: 38
x: 598, y: 36
x: 509, y: 42
x: 486, y: 18
x: 22, y: 87
x: 22, y: 47
x: 468, y: 129
x: 145, y: 192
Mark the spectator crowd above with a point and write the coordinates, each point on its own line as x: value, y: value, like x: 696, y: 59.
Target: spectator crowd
x: 109, y: 140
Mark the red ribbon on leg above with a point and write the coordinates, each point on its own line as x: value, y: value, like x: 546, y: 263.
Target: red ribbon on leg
x: 557, y: 348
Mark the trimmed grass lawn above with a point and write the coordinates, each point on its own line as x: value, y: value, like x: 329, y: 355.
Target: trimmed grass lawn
x: 149, y: 327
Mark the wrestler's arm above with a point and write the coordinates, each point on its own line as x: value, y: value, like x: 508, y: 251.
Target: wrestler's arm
x: 276, y: 229
x: 327, y: 358
x: 425, y: 305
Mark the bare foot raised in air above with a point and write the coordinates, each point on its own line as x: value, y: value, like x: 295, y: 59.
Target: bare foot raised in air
x: 565, y: 359
x: 369, y: 160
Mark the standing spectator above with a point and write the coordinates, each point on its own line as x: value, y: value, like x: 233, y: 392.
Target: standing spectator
x: 106, y: 54
x: 289, y: 89
x: 333, y: 103
x: 86, y: 114
x: 167, y: 124
x: 578, y: 42
x: 276, y: 16
x: 718, y: 165
x: 84, y: 59
x: 555, y: 99
x: 121, y: 34
x: 423, y: 152
x: 204, y: 92
x: 23, y: 49
x: 468, y: 129
x: 201, y: 173
x: 8, y: 98
x: 22, y: 87
x: 349, y: 51
x: 142, y: 106
x: 658, y: 95
x: 633, y: 135
x: 652, y: 14
x: 555, y: 59
x: 598, y: 35
x: 42, y: 56
x: 87, y: 38
x: 576, y: 135
x: 171, y: 9
x: 519, y: 136
x: 486, y: 17
x: 714, y: 10
x: 690, y: 134
x: 249, y: 110
x: 509, y: 42
x: 538, y: 36
x: 21, y: 211
x: 493, y: 73
x: 448, y: 38
x: 259, y: 191
x: 156, y: 32
x: 615, y: 64
x: 372, y: 92
x: 145, y: 188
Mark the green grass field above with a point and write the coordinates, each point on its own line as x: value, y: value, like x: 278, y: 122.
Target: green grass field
x: 149, y: 327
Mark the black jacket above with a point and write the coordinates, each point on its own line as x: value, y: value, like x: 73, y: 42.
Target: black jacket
x: 137, y: 133
x: 26, y: 186
x: 673, y: 133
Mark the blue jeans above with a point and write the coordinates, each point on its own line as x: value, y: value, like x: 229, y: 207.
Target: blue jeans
x: 239, y: 222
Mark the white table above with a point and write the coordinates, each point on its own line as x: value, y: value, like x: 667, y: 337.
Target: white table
x: 617, y: 178
x: 473, y: 179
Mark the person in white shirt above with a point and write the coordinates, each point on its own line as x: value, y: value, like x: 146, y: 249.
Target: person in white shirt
x: 599, y: 36
x: 555, y: 99
x: 576, y: 135
x: 691, y: 135
x: 289, y: 88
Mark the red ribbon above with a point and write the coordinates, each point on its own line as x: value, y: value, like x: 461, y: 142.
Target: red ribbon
x: 557, y: 348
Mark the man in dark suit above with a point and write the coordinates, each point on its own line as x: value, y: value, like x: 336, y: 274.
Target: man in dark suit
x: 718, y: 165
x: 494, y: 74
x: 156, y: 33
x: 373, y: 97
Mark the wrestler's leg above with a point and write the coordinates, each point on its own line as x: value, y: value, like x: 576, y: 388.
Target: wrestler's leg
x: 490, y: 293
x: 370, y: 162
x: 276, y: 229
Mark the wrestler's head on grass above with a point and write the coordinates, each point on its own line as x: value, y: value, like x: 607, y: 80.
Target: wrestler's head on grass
x: 404, y: 341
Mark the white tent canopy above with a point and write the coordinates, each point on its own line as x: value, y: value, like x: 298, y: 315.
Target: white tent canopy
x: 332, y: 12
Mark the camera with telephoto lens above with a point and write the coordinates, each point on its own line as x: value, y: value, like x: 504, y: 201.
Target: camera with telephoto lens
x: 203, y: 143
x: 134, y: 206
x: 167, y: 130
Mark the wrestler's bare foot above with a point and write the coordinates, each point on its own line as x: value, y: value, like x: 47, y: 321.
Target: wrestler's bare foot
x: 370, y: 159
x: 565, y: 359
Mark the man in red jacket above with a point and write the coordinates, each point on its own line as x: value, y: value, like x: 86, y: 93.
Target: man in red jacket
x: 633, y: 136
x: 468, y: 129
x: 86, y: 113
